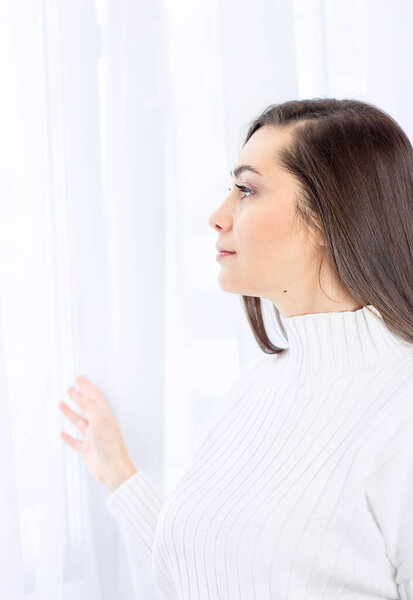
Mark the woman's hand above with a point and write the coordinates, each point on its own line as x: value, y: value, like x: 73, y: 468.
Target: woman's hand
x: 103, y: 448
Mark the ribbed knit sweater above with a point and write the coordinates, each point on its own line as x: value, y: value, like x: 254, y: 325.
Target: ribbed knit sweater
x: 303, y: 489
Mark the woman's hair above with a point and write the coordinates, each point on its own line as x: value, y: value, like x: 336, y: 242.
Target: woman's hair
x: 354, y: 167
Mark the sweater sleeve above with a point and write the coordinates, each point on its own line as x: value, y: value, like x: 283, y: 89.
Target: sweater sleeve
x: 136, y: 506
x: 389, y: 493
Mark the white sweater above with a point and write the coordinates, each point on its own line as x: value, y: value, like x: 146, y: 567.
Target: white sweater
x: 303, y: 490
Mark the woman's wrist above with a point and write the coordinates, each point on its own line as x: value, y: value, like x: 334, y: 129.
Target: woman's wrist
x: 120, y: 475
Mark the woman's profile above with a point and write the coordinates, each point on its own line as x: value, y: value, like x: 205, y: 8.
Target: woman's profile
x: 304, y: 487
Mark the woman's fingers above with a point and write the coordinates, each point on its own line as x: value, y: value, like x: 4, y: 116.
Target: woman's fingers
x: 88, y: 388
x: 76, y: 444
x: 81, y: 423
x: 85, y: 403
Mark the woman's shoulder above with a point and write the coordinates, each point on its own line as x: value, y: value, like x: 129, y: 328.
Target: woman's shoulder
x: 254, y: 369
x: 392, y: 421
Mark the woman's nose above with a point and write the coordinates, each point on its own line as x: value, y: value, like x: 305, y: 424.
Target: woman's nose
x: 212, y: 221
x: 220, y: 218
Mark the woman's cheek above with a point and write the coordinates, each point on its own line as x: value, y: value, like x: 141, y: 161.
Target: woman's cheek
x: 263, y: 228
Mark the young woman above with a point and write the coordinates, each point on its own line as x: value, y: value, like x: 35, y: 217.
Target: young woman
x: 304, y: 488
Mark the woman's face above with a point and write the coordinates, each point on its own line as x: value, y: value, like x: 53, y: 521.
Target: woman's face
x: 275, y: 256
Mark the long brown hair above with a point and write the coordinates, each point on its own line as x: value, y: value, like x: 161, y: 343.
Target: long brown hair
x: 354, y: 168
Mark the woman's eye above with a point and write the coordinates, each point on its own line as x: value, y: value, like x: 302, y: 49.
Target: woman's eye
x: 244, y: 189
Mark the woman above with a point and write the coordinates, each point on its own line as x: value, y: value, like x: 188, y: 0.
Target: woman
x: 304, y: 488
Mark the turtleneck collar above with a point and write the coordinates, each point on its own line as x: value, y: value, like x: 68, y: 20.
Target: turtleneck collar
x: 341, y: 341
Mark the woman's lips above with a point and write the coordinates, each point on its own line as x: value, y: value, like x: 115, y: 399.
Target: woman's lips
x: 224, y: 253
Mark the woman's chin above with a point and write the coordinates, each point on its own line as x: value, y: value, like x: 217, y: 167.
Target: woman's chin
x: 229, y: 286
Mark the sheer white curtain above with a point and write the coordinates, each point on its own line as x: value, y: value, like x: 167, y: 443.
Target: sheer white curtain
x: 119, y: 123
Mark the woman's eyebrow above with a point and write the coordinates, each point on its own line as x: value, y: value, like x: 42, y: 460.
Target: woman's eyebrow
x: 241, y: 168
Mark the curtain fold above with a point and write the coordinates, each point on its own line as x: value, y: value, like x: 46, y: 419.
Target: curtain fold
x: 11, y: 550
